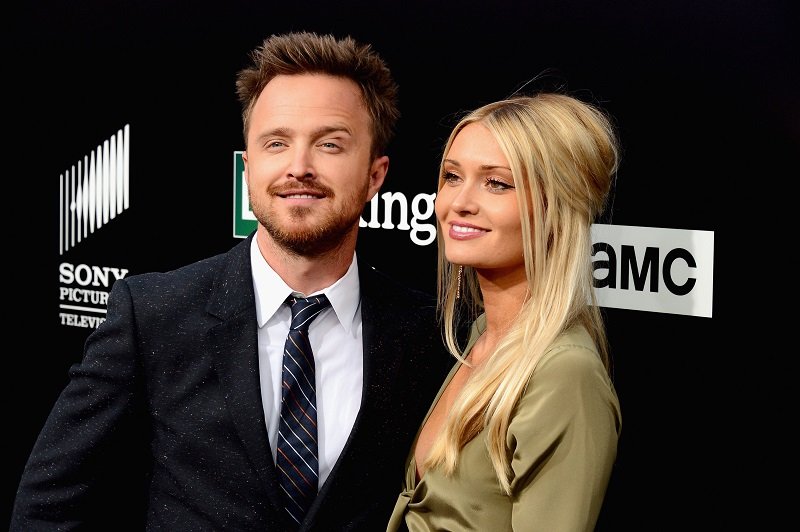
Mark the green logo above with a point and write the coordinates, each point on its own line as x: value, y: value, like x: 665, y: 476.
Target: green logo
x: 244, y: 222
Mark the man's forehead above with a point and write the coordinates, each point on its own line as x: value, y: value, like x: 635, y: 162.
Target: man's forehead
x: 313, y: 91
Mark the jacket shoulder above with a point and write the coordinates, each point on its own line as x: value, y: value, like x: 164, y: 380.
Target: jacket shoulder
x: 199, y: 273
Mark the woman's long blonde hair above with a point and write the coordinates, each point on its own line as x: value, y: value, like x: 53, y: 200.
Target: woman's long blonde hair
x: 564, y: 155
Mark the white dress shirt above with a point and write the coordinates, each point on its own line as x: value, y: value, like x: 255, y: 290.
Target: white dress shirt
x: 335, y: 337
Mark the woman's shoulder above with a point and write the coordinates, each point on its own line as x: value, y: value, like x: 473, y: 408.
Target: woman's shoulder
x: 570, y: 371
x: 569, y: 382
x: 572, y: 351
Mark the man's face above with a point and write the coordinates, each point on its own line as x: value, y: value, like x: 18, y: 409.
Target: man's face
x: 307, y: 164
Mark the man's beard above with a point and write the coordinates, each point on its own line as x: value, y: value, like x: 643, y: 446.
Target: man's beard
x: 319, y: 239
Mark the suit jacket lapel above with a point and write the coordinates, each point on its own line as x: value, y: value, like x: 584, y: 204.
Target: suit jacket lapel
x: 377, y: 319
x: 234, y: 345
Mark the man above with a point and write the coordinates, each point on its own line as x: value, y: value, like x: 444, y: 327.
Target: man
x: 174, y: 419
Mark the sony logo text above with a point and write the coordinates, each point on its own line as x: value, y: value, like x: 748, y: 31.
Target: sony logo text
x: 84, y: 289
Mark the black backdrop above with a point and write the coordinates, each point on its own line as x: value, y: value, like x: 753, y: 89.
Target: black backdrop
x: 705, y: 94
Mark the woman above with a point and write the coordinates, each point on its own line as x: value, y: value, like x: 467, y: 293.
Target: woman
x: 523, y: 433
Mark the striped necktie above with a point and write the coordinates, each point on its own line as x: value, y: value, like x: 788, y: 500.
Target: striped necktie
x: 297, y: 458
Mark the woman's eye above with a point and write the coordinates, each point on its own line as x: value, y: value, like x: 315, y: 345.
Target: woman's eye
x: 450, y: 177
x: 496, y: 184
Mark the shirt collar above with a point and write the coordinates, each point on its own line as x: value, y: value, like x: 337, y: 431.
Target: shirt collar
x: 271, y: 291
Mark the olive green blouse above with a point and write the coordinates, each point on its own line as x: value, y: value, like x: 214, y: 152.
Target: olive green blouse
x: 562, y: 440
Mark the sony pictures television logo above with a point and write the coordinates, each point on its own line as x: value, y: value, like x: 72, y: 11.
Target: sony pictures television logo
x: 92, y: 193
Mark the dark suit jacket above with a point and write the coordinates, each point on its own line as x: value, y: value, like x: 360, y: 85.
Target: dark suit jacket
x: 161, y: 426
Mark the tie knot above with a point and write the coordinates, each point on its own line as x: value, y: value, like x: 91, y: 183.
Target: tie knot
x: 305, y: 309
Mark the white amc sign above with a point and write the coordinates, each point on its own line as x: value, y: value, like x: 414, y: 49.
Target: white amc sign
x: 654, y: 269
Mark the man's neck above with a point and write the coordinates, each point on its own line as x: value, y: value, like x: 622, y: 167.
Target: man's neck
x: 306, y: 274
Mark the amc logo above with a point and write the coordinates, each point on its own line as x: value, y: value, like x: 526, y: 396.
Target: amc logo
x: 654, y: 269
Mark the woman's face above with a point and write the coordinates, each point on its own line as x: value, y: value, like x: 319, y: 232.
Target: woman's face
x: 477, y: 205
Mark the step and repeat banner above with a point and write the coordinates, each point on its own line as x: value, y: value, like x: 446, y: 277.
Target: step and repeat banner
x: 126, y: 150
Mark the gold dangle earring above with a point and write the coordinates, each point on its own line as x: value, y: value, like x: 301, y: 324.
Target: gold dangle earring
x: 460, y: 274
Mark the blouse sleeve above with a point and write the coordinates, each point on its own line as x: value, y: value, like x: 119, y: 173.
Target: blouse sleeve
x: 563, y: 437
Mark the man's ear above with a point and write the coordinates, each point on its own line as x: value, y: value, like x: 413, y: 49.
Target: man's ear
x: 246, y: 172
x: 377, y: 174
